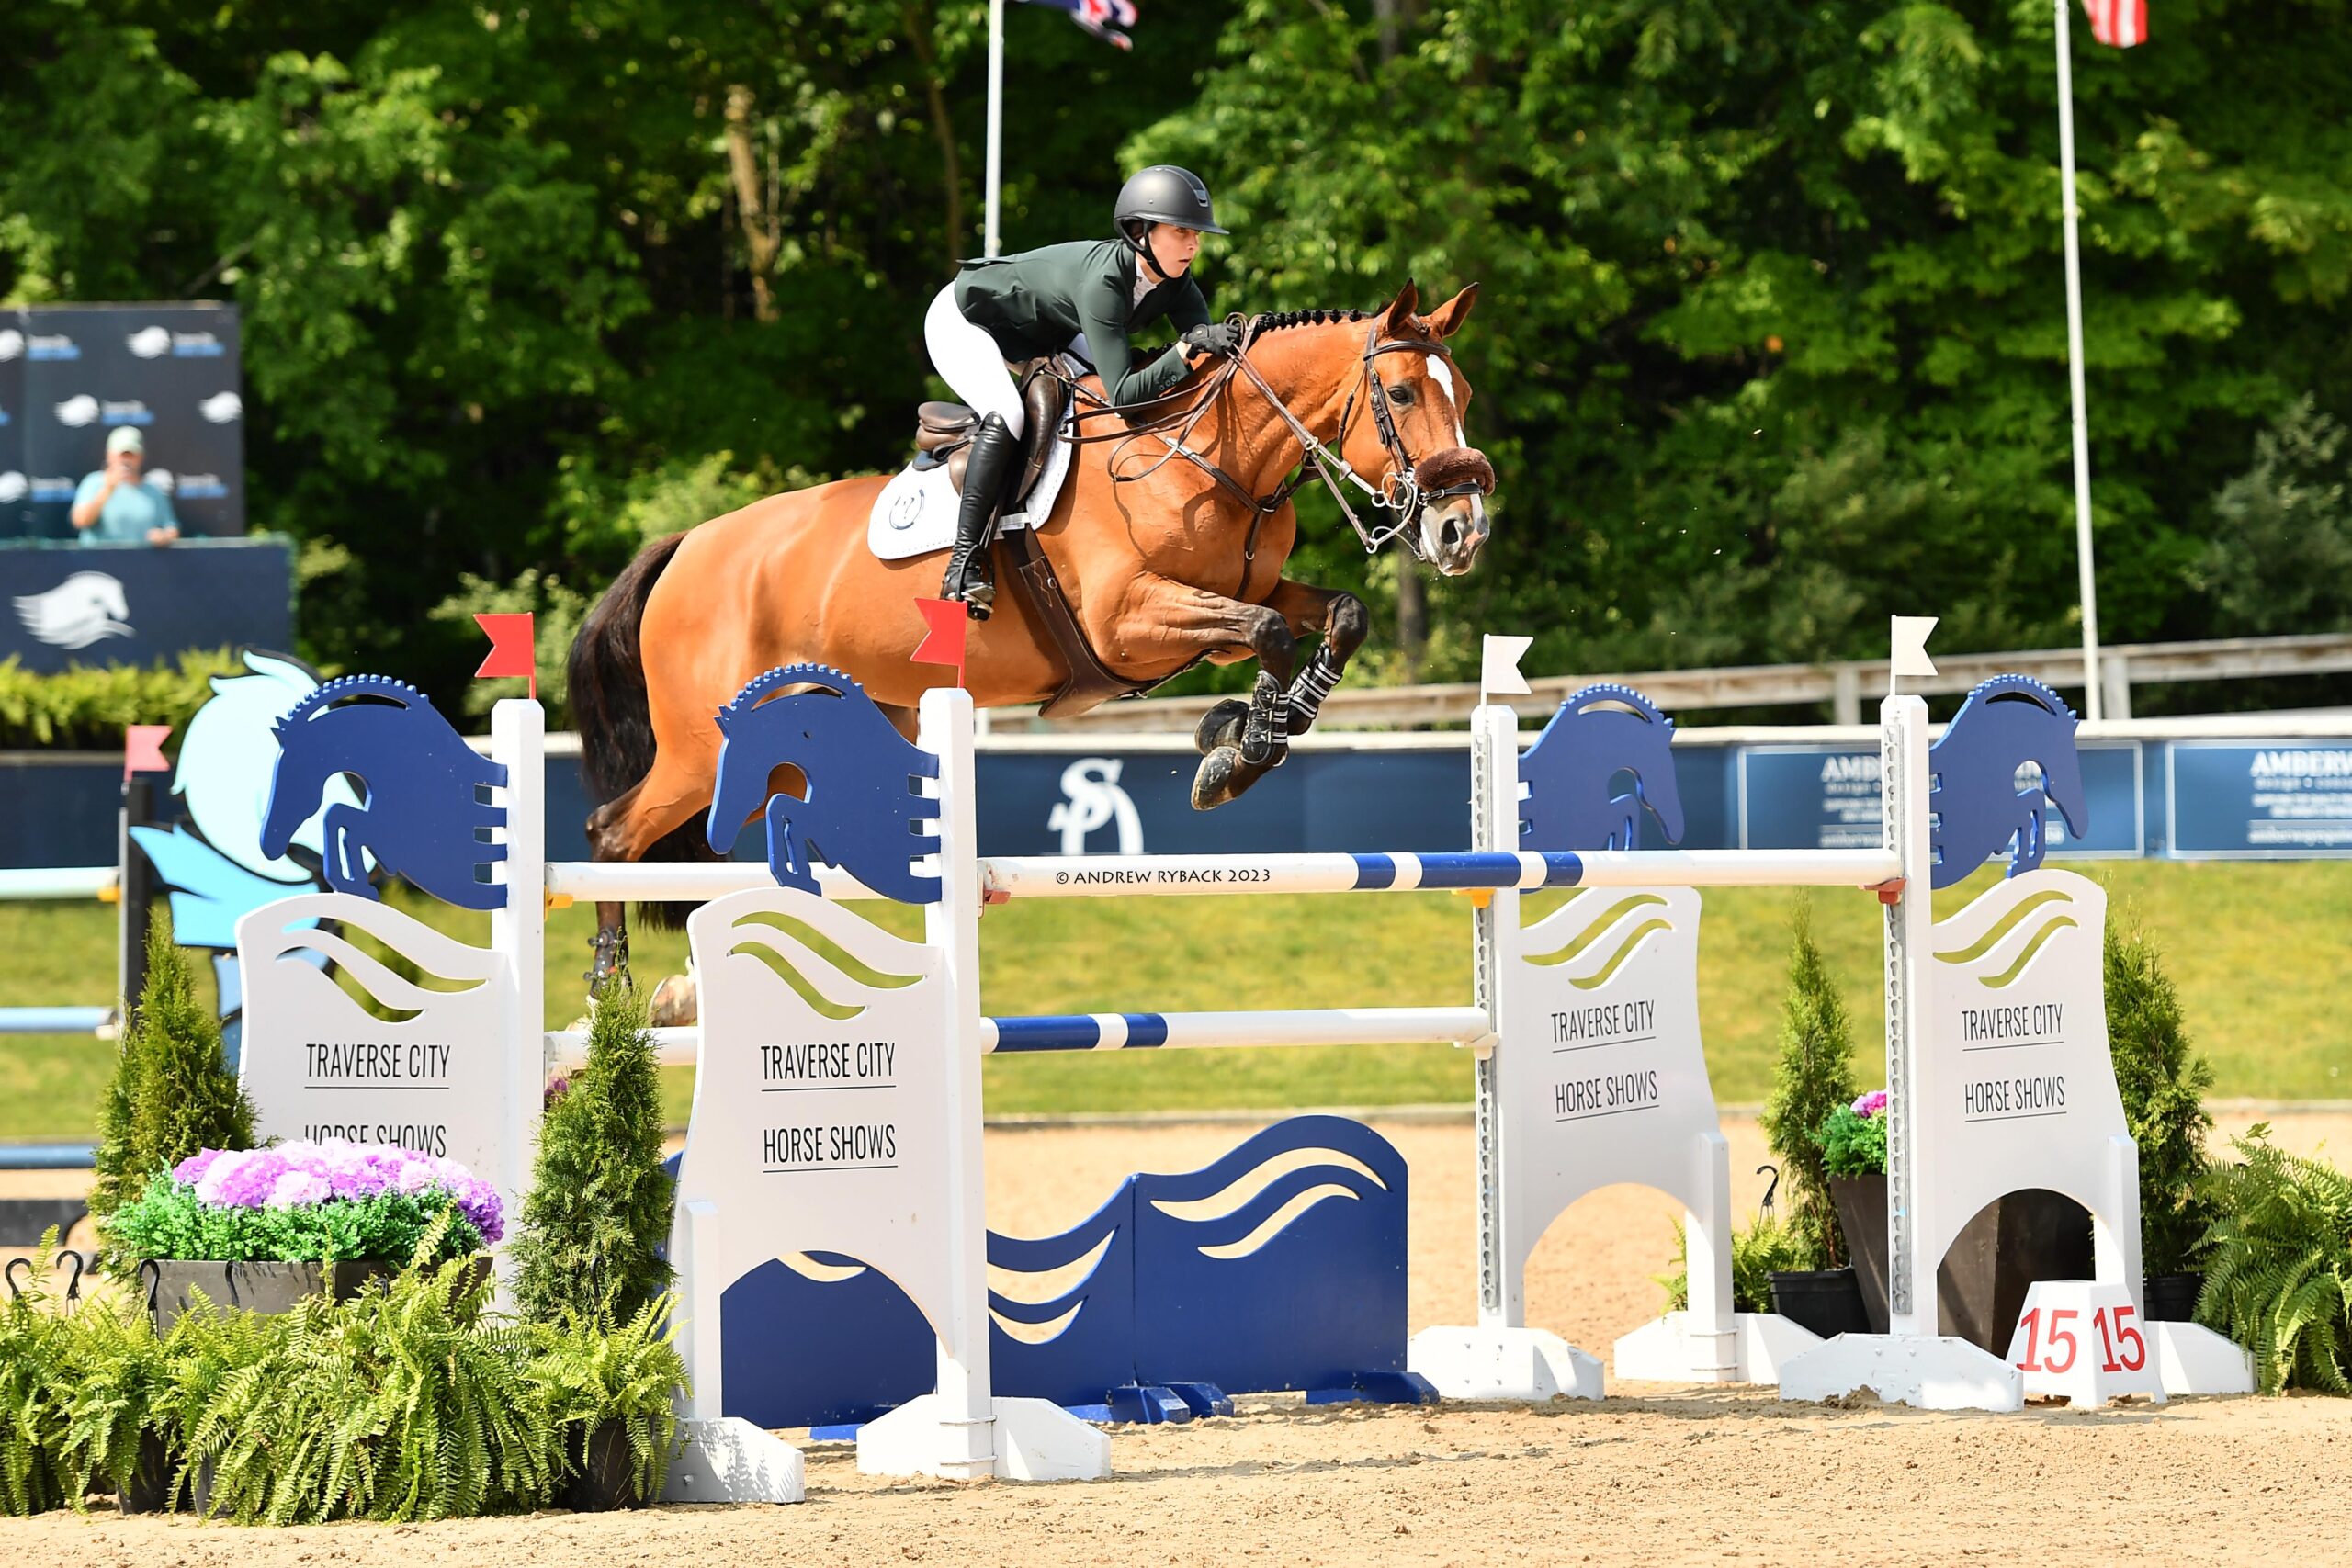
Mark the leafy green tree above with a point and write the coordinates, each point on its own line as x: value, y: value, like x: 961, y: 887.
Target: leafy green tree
x: 597, y: 1215
x: 1814, y: 1076
x: 2281, y: 556
x: 2163, y: 1083
x: 172, y: 1093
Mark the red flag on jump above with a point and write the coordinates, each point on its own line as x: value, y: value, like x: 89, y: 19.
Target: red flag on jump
x: 944, y: 623
x: 142, y: 748
x: 512, y: 649
x: 2118, y: 23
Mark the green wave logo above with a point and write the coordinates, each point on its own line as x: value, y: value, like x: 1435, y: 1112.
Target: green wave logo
x: 1592, y: 933
x: 2040, y: 903
x: 770, y: 941
x: 1616, y: 960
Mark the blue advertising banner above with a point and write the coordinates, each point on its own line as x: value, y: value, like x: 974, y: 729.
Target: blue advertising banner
x: 2257, y: 800
x: 1826, y: 798
x: 72, y: 604
x: 71, y: 375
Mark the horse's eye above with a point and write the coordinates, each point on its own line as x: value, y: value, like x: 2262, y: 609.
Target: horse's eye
x: 1401, y: 395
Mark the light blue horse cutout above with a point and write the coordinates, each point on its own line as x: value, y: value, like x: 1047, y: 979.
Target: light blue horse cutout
x: 1602, y: 732
x: 862, y: 813
x: 425, y: 814
x: 213, y: 866
x: 1979, y: 804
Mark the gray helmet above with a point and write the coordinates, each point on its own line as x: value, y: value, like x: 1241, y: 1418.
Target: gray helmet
x: 1165, y: 194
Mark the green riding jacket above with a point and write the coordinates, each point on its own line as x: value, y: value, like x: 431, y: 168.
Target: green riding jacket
x: 1032, y: 304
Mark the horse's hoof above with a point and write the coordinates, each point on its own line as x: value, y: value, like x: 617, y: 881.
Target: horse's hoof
x: 1213, y: 783
x: 1221, y: 725
x: 676, y: 1003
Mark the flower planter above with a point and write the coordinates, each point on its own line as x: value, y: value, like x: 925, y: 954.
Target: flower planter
x: 1827, y: 1300
x: 2172, y: 1298
x: 266, y: 1288
x: 606, y: 1470
x: 1982, y: 1282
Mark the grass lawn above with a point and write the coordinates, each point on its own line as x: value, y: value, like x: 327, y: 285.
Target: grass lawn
x: 2254, y: 947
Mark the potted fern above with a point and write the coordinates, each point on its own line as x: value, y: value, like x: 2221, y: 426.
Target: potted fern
x: 590, y: 1270
x: 2279, y: 1264
x: 1812, y: 1282
x: 2163, y: 1084
x: 32, y: 1423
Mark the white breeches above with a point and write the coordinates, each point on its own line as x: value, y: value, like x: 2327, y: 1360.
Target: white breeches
x: 970, y: 363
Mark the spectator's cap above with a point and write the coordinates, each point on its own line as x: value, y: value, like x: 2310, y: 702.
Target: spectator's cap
x: 126, y: 438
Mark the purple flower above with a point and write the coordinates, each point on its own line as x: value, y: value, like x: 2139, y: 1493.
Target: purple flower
x: 190, y: 1171
x: 1871, y: 1104
x: 296, y: 1188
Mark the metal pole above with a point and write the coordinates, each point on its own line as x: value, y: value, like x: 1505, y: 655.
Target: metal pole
x: 2092, y: 706
x: 996, y: 123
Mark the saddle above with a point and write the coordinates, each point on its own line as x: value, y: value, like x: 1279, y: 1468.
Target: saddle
x: 944, y: 431
x: 944, y: 434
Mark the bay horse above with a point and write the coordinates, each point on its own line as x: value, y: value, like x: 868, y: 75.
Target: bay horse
x: 1168, y: 539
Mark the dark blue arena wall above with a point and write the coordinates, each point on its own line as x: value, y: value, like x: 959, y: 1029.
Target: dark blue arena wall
x: 2186, y: 798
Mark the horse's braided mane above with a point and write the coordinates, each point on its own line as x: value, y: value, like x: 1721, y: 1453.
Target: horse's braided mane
x: 1276, y: 321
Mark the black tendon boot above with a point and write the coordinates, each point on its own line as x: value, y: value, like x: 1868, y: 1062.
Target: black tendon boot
x: 994, y: 448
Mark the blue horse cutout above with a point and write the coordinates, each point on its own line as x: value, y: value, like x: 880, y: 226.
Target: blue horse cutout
x: 1600, y: 733
x: 1979, y: 806
x: 863, y: 811
x: 1300, y: 1286
x: 424, y: 815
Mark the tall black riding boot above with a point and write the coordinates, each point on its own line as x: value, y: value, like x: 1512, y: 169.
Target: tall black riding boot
x: 986, y: 472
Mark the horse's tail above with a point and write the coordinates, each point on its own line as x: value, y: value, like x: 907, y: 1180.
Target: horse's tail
x: 608, y: 704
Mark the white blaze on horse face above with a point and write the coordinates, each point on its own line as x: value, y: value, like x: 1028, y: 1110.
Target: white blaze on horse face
x: 1443, y: 374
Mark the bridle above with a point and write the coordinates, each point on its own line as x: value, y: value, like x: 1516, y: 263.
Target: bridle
x: 1399, y: 492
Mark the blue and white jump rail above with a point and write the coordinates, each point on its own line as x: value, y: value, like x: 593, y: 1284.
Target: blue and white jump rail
x: 832, y: 1168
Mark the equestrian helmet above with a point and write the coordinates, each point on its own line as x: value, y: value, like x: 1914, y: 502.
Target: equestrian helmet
x: 1165, y: 194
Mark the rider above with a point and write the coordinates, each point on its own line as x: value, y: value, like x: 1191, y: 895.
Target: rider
x: 1012, y: 309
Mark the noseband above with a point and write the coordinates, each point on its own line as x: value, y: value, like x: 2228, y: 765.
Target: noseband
x: 1401, y: 492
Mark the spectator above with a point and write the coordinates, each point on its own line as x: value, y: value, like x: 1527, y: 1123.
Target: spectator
x: 116, y: 505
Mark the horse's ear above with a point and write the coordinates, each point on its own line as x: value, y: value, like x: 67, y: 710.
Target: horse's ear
x: 1397, y: 320
x: 1447, y: 319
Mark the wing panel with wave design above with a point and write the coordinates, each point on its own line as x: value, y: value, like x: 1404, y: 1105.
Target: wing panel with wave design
x: 378, y: 1057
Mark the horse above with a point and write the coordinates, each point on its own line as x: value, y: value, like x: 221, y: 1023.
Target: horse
x: 1602, y: 732
x: 1981, y: 798
x: 1168, y: 539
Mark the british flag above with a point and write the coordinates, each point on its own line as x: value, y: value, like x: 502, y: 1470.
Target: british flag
x: 2118, y: 23
x: 1103, y: 18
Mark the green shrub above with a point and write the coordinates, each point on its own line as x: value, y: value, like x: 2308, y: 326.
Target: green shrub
x: 2279, y: 1265
x: 2163, y: 1085
x: 172, y: 1093
x: 1853, y: 1143
x: 32, y: 1433
x: 597, y: 1217
x: 629, y: 1373
x: 1814, y: 1076
x: 1765, y: 1248
x: 114, y: 1385
x: 87, y: 709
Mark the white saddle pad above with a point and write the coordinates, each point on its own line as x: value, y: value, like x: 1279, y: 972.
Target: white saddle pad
x: 915, y: 513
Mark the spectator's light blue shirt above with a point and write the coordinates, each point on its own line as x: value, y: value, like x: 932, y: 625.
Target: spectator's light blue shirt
x: 129, y: 511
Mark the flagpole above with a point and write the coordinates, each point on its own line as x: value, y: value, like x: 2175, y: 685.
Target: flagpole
x: 2082, y: 560
x: 989, y: 234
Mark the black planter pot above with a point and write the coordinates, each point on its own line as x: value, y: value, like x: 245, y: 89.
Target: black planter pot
x: 267, y: 1288
x: 1828, y: 1301
x: 149, y: 1490
x: 1982, y: 1282
x: 606, y: 1476
x: 2172, y: 1298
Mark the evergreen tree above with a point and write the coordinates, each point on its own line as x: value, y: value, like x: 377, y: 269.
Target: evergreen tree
x: 173, y: 1093
x: 600, y: 1203
x: 2163, y: 1085
x: 1814, y: 1076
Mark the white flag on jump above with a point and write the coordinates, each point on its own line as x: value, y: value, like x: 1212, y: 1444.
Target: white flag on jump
x: 1908, y: 636
x: 1499, y: 667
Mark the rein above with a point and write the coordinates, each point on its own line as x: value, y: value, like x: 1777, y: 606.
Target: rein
x: 1399, y: 492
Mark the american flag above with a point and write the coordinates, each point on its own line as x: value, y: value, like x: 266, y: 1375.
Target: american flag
x: 1103, y: 18
x: 2118, y: 23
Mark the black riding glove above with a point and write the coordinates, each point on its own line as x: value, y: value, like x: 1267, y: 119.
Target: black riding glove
x: 1213, y: 337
